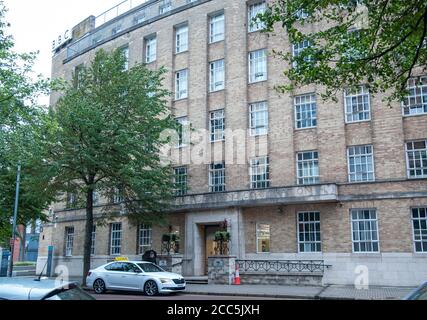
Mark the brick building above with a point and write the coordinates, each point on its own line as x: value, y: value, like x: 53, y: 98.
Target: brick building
x: 296, y: 177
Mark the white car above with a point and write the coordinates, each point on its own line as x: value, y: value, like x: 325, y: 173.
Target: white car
x: 139, y: 276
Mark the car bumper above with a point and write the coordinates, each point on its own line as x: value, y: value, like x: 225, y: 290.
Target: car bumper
x: 170, y: 288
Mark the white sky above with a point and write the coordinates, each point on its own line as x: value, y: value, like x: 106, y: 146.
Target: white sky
x: 36, y: 23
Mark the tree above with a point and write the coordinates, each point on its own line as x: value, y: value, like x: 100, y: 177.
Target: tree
x: 378, y: 42
x: 19, y: 132
x: 104, y: 136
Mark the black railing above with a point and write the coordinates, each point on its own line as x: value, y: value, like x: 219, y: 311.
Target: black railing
x: 313, y: 266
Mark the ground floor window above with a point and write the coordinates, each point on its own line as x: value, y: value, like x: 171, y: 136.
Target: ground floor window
x: 116, y: 239
x: 92, y: 248
x: 69, y: 241
x: 263, y: 238
x: 309, y: 237
x: 145, y: 238
x: 419, y: 220
x: 365, y: 230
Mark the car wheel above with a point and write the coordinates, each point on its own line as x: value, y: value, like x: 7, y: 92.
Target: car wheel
x: 99, y: 286
x: 150, y: 288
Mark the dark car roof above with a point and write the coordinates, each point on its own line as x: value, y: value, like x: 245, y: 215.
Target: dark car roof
x: 29, y: 289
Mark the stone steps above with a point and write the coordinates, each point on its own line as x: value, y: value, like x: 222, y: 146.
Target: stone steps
x: 196, y: 280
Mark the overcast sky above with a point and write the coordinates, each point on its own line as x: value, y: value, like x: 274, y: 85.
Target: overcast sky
x: 36, y: 23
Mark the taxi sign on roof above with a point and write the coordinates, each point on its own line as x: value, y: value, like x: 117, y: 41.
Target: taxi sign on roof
x: 121, y: 259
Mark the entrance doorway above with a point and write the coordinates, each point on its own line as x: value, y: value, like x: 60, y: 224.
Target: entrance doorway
x: 210, y: 243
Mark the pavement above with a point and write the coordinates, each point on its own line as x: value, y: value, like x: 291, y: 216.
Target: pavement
x: 301, y: 292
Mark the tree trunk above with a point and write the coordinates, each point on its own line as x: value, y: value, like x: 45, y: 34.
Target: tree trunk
x: 88, y: 234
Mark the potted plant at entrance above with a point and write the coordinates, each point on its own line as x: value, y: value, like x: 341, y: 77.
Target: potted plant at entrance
x: 222, y: 240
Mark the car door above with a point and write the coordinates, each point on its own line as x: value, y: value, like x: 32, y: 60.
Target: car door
x: 114, y: 275
x: 131, y: 277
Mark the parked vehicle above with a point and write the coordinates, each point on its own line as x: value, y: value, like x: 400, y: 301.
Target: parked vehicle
x: 43, y: 289
x: 418, y: 294
x: 139, y: 276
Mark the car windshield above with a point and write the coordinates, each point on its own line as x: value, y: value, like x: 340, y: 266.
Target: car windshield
x: 72, y: 294
x: 149, y: 267
x: 420, y: 294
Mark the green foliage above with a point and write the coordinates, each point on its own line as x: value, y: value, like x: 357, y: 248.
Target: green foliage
x: 104, y: 134
x: 222, y: 236
x: 378, y: 42
x: 20, y: 127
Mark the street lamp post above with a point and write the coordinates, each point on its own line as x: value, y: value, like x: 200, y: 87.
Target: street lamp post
x: 15, y: 215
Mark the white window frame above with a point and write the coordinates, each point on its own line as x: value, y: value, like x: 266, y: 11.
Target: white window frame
x: 259, y: 111
x: 258, y: 230
x: 422, y: 176
x: 308, y: 180
x: 417, y: 86
x: 350, y: 115
x: 183, y: 134
x: 419, y: 219
x: 181, y: 38
x: 125, y: 51
x: 354, y: 241
x: 372, y: 155
x: 258, y: 66
x: 165, y: 6
x: 69, y: 241
x: 116, y: 243
x: 309, y: 224
x: 145, y: 238
x: 216, y: 129
x: 260, y: 164
x: 217, y: 75
x: 308, y: 102
x: 181, y: 84
x: 299, y: 47
x: 217, y: 27
x: 253, y: 10
x: 93, y: 241
x: 179, y: 192
x: 150, y: 49
x: 216, y: 174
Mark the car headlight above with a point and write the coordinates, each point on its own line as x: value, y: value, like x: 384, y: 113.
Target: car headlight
x: 166, y: 281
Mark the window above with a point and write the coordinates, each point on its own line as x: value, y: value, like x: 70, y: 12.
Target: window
x: 71, y: 200
x: 216, y: 28
x: 258, y: 118
x: 150, y: 49
x: 416, y: 154
x: 139, y: 18
x: 69, y: 241
x: 217, y: 125
x: 217, y: 76
x: 78, y: 75
x: 365, y: 230
x: 361, y: 164
x: 116, y: 29
x: 95, y: 198
x: 309, y: 238
x: 181, y: 38
x: 181, y: 183
x: 217, y: 177
x: 305, y: 111
x: 419, y: 221
x: 357, y: 105
x: 182, y: 132
x: 297, y: 50
x: 93, y: 241
x: 145, y: 238
x: 118, y: 195
x: 416, y: 100
x: 125, y: 52
x: 258, y: 66
x: 165, y: 6
x: 253, y: 23
x: 181, y: 84
x: 116, y: 239
x: 260, y: 173
x: 263, y: 234
x: 308, y: 167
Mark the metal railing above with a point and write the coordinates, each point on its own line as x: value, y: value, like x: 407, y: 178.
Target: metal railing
x: 312, y: 266
x: 107, y: 29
